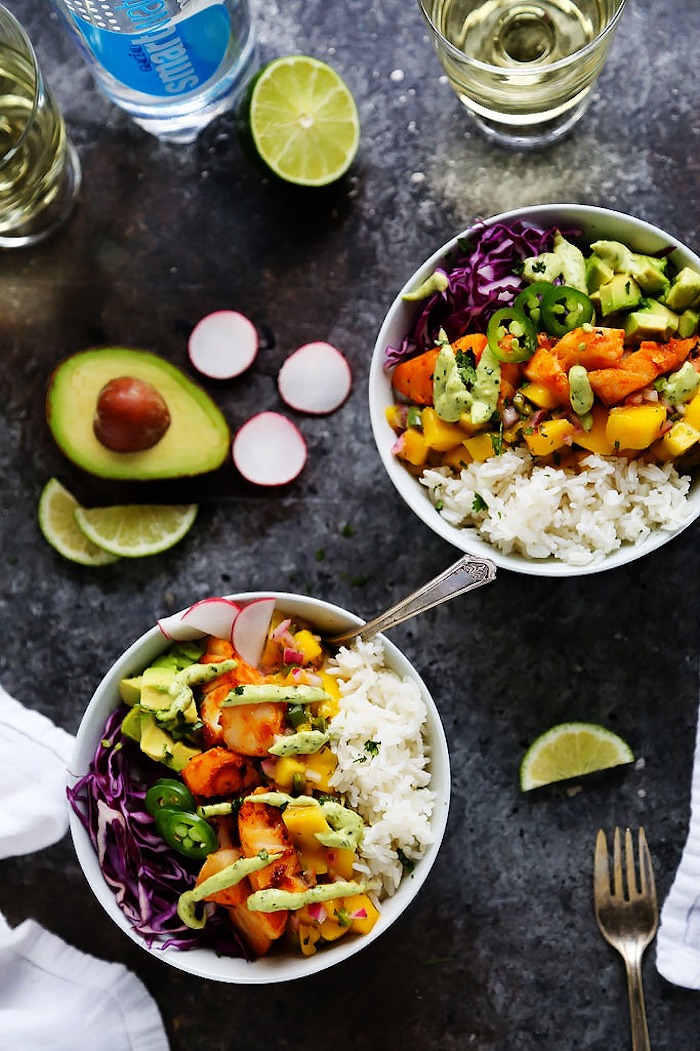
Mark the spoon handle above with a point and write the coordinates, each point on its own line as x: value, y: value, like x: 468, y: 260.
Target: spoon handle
x: 465, y: 575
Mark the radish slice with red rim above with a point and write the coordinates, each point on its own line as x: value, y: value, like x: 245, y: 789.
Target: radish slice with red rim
x: 251, y: 628
x: 223, y: 344
x: 210, y: 616
x: 315, y: 379
x: 269, y: 449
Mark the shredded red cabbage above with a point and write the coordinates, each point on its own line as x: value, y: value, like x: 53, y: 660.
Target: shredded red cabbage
x: 147, y: 877
x: 483, y: 276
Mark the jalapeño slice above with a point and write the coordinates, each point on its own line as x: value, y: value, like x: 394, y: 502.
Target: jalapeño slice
x: 189, y: 834
x: 511, y: 336
x: 564, y: 309
x: 168, y: 793
x: 529, y: 301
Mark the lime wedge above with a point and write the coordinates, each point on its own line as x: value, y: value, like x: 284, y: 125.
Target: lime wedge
x: 303, y: 120
x: 57, y: 522
x: 135, y: 530
x: 571, y: 750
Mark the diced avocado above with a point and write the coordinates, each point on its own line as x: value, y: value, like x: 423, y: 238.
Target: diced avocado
x: 688, y: 323
x: 652, y: 321
x: 622, y: 293
x: 130, y: 690
x: 615, y: 254
x: 649, y: 273
x: 598, y: 272
x: 684, y: 291
x: 681, y: 385
x: 155, y: 687
x: 131, y: 723
x: 159, y: 745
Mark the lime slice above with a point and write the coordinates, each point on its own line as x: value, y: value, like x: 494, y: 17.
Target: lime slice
x: 135, y: 530
x: 571, y: 750
x: 57, y: 522
x: 303, y: 120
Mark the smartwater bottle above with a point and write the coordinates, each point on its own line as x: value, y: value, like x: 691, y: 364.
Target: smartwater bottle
x: 172, y: 65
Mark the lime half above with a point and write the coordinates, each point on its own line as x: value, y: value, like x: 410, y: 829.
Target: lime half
x: 303, y: 120
x: 135, y: 530
x: 57, y: 522
x: 571, y: 750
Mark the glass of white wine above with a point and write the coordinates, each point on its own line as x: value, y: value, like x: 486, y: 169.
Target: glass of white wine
x: 524, y: 69
x: 39, y: 167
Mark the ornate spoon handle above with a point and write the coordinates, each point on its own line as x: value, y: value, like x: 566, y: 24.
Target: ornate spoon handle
x: 465, y: 575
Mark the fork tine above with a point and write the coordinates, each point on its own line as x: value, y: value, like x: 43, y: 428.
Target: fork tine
x: 632, y: 889
x: 601, y: 866
x: 617, y: 865
x: 646, y: 871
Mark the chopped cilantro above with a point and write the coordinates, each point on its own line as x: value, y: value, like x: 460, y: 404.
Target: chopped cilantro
x: 406, y: 863
x: 497, y: 441
x: 439, y: 505
x: 466, y: 367
x: 372, y: 748
x: 478, y: 503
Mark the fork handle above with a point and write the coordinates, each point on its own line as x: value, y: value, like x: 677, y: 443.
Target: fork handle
x: 638, y: 1019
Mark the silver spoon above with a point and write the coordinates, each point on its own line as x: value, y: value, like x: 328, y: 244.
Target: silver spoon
x: 465, y: 575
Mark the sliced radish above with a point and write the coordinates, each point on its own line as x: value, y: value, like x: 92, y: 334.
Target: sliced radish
x: 269, y: 449
x: 250, y: 629
x: 223, y: 344
x: 211, y: 616
x: 316, y: 379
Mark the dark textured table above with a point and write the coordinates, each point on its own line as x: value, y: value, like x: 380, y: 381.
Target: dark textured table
x: 500, y: 950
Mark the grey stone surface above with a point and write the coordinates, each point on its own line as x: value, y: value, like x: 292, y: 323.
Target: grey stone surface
x: 500, y: 950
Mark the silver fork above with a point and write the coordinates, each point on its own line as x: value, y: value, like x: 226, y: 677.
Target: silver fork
x: 627, y: 916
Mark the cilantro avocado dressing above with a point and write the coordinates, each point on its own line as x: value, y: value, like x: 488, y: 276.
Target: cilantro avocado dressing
x: 486, y: 388
x: 347, y: 827
x: 450, y: 395
x: 227, y: 877
x: 580, y: 390
x: 306, y: 742
x: 274, y: 900
x: 266, y: 693
x: 196, y: 674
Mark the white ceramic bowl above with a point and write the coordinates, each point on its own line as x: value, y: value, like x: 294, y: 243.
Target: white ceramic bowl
x: 283, y: 966
x: 594, y: 223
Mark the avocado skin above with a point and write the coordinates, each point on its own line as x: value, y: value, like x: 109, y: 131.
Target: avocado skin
x: 197, y: 441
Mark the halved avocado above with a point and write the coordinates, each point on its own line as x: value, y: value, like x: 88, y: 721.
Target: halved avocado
x: 198, y: 438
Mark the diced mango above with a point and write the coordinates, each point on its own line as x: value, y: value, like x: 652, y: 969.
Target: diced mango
x: 331, y: 929
x: 438, y: 434
x: 635, y: 426
x: 308, y: 645
x: 539, y: 395
x: 412, y: 446
x: 479, y: 446
x: 309, y: 936
x: 394, y: 417
x: 456, y: 458
x: 314, y: 860
x: 361, y: 924
x: 286, y: 767
x: 676, y: 441
x: 465, y: 422
x: 327, y: 709
x: 596, y: 439
x: 303, y: 822
x: 319, y: 768
x: 341, y: 862
x: 549, y: 436
x: 692, y: 412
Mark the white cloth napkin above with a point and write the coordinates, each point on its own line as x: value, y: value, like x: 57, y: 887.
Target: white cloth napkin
x: 678, y: 940
x: 52, y: 995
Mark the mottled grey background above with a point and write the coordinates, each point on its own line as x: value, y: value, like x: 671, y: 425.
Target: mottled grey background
x: 500, y: 950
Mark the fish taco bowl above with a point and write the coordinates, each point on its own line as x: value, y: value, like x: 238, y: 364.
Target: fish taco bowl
x: 534, y: 389
x: 232, y: 861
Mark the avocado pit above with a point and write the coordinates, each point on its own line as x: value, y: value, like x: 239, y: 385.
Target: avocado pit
x: 130, y: 415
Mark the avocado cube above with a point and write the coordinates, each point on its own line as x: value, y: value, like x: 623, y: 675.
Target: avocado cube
x: 654, y: 321
x: 155, y: 686
x: 130, y: 690
x: 598, y: 272
x: 688, y: 323
x: 622, y: 293
x: 684, y: 291
x: 649, y: 274
x: 158, y: 744
x: 131, y: 723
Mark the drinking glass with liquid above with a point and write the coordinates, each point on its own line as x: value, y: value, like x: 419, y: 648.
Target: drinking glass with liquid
x: 524, y: 69
x: 39, y: 168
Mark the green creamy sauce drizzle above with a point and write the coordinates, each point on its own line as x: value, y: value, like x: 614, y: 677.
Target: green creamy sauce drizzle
x: 273, y: 900
x: 275, y: 694
x: 306, y: 742
x: 347, y: 827
x: 228, y: 877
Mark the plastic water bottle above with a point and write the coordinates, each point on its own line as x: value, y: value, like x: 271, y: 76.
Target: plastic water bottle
x: 172, y: 65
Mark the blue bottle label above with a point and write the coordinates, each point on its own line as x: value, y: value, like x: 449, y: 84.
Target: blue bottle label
x: 154, y: 46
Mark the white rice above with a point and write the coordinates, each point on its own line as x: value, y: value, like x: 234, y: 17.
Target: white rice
x: 387, y: 782
x: 577, y: 516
